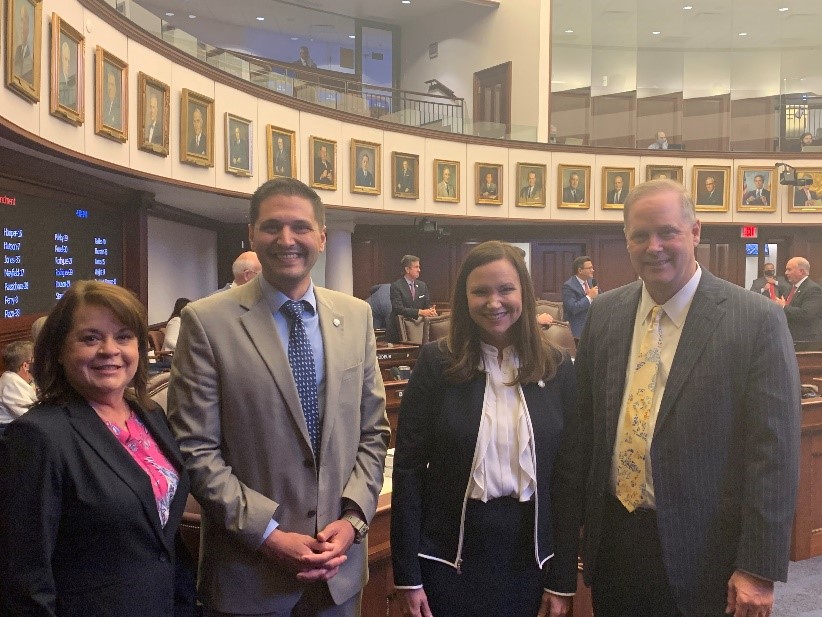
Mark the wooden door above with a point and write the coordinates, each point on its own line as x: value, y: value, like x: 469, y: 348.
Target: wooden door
x: 492, y: 101
x: 551, y: 265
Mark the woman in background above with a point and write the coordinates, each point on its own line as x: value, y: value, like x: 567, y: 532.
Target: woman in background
x: 92, y: 485
x: 173, y: 325
x: 480, y: 456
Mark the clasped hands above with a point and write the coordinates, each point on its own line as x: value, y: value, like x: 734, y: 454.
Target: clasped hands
x: 311, y: 559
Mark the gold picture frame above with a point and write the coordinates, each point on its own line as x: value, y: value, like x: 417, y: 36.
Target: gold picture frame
x: 154, y: 114
x: 446, y: 181
x: 366, y: 167
x: 756, y: 189
x: 196, y: 129
x: 710, y: 184
x: 810, y: 202
x: 616, y: 183
x: 571, y: 181
x: 23, y: 47
x: 67, y: 77
x: 239, y: 139
x: 665, y: 172
x: 281, y: 145
x: 110, y: 96
x: 488, y: 183
x: 405, y: 175
x: 532, y: 186
x: 322, y: 163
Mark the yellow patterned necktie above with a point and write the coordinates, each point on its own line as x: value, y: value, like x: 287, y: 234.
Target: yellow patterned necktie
x: 633, y: 441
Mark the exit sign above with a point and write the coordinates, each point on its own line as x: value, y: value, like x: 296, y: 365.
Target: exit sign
x: 749, y: 231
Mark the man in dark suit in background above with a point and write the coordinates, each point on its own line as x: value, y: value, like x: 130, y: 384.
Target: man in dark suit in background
x: 365, y: 177
x: 803, y: 195
x: 531, y: 192
x: 238, y: 149
x: 409, y: 297
x: 405, y: 179
x: 573, y: 193
x: 711, y: 195
x: 758, y: 195
x: 488, y: 188
x: 323, y: 169
x: 67, y: 89
x: 154, y: 124
x: 688, y: 430
x: 282, y: 159
x: 578, y: 293
x: 197, y: 141
x: 803, y: 302
x: 112, y: 114
x: 23, y: 59
x: 618, y: 194
x: 769, y: 284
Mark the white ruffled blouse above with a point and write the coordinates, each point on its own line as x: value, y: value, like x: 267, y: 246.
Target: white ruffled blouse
x: 504, y: 459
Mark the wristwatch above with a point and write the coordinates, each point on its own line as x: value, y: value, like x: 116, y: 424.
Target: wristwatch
x: 359, y: 525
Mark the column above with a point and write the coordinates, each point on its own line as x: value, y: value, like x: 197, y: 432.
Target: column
x: 339, y: 269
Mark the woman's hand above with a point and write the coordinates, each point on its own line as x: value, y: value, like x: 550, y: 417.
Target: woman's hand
x: 414, y: 603
x: 553, y: 605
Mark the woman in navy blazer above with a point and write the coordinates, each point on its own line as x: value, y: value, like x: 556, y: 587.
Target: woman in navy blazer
x: 92, y: 485
x: 480, y: 457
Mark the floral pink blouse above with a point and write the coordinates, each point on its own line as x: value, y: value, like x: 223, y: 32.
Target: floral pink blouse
x: 144, y: 450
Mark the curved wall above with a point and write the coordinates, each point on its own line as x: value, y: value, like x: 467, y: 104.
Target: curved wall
x: 166, y: 64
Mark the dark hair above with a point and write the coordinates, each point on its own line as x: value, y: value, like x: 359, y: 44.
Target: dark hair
x: 579, y: 263
x: 291, y: 188
x: 802, y: 136
x: 408, y: 260
x: 15, y: 354
x: 48, y: 371
x: 179, y: 305
x: 538, y: 357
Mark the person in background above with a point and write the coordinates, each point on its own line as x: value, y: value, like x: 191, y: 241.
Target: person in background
x: 769, y: 284
x: 305, y: 58
x: 17, y: 391
x: 480, y: 457
x: 661, y: 142
x: 245, y: 268
x: 92, y: 485
x: 409, y: 297
x: 803, y: 302
x: 173, y: 325
x: 577, y: 294
x: 379, y: 300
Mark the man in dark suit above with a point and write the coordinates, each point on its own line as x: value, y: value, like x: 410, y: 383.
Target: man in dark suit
x: 67, y: 88
x: 578, y: 293
x: 112, y: 115
x: 758, y: 195
x: 239, y: 150
x: 405, y: 179
x: 769, y: 284
x: 688, y: 431
x: 278, y: 405
x: 323, y: 169
x: 803, y: 302
x: 23, y: 59
x: 618, y: 194
x: 573, y: 193
x: 282, y: 159
x: 364, y: 176
x: 409, y: 297
x: 531, y: 192
x: 711, y: 195
x: 803, y: 195
x: 197, y: 141
x: 154, y: 125
x: 488, y: 188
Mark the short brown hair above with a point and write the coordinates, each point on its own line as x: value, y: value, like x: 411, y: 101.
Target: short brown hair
x: 48, y: 371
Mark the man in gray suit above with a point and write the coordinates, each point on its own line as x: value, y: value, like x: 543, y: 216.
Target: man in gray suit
x: 689, y: 430
x: 279, y: 408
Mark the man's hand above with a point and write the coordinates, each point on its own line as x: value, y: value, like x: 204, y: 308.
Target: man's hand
x: 309, y: 558
x: 553, y: 605
x: 414, y: 603
x: 749, y: 595
x: 545, y: 319
x: 780, y: 301
x: 429, y: 312
x: 593, y: 292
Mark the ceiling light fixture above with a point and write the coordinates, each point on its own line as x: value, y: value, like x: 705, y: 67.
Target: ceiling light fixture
x: 192, y: 17
x: 352, y: 36
x: 169, y: 14
x: 261, y: 19
x: 569, y: 31
x: 295, y: 38
x: 656, y: 32
x: 687, y: 7
x: 743, y: 34
x: 782, y: 9
x: 406, y: 1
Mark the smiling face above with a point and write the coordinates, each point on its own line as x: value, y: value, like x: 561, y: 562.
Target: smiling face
x: 288, y: 240
x: 759, y: 181
x: 794, y: 271
x: 661, y: 242
x: 100, y: 355
x: 494, y: 294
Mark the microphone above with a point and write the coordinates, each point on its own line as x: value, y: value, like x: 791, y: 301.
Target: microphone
x: 592, y: 282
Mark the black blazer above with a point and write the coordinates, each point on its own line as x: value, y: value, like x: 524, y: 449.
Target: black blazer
x: 402, y: 304
x: 436, y: 439
x: 805, y: 312
x: 79, y: 530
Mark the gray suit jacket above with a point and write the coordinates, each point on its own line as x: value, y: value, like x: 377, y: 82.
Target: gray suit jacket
x: 235, y: 410
x: 726, y: 443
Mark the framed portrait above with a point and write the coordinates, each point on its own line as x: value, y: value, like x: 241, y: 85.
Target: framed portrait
x: 616, y: 182
x: 67, y: 96
x: 711, y: 188
x: 110, y: 96
x: 756, y: 189
x: 282, y: 152
x: 24, y: 23
x: 807, y: 198
x: 446, y: 180
x: 366, y: 172
x: 196, y: 129
x: 532, y: 189
x: 405, y: 176
x: 153, y: 110
x: 574, y: 186
x: 664, y: 172
x: 238, y: 150
x: 488, y: 181
x: 323, y: 163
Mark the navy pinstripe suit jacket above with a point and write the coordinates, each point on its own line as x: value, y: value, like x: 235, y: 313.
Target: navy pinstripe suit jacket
x: 726, y: 444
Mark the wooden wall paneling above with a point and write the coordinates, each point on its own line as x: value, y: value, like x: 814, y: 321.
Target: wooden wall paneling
x: 551, y: 265
x: 806, y: 538
x: 365, y: 257
x: 135, y: 247
x: 232, y: 240
x: 612, y: 264
x: 571, y: 114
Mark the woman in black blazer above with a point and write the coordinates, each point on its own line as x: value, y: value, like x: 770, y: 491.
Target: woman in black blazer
x: 92, y: 485
x: 480, y: 457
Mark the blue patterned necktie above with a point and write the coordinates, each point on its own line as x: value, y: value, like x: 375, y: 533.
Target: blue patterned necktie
x: 301, y: 359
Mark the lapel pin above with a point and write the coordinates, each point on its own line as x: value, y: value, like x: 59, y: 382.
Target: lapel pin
x: 336, y: 322
x: 541, y: 383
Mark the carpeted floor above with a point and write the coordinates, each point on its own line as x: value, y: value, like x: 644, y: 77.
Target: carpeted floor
x: 801, y: 596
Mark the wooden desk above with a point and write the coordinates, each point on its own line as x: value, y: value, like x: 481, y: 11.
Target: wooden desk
x: 806, y: 539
